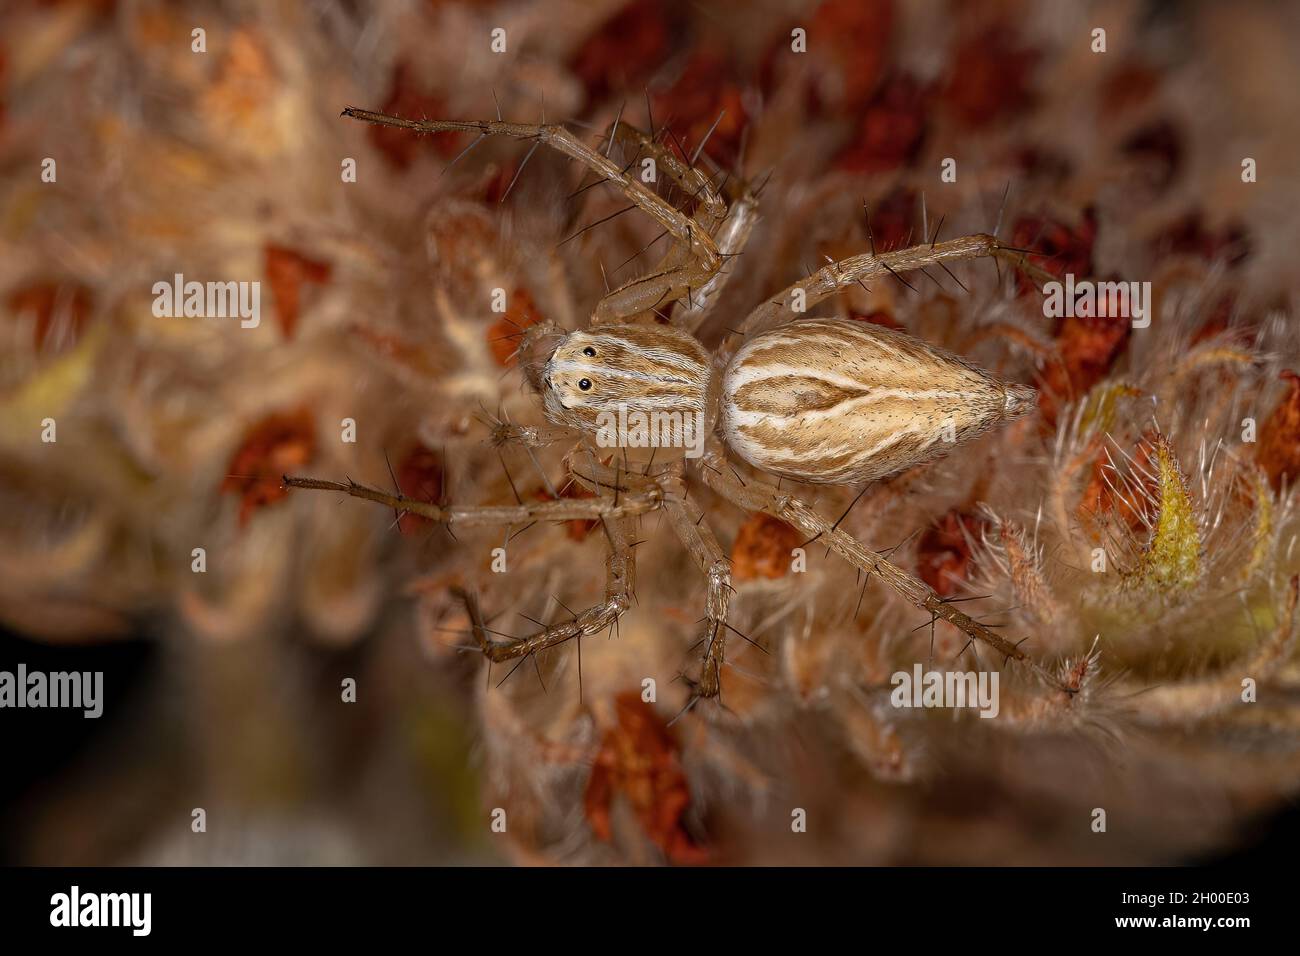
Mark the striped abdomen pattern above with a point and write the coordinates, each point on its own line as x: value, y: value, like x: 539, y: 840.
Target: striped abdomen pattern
x: 837, y: 401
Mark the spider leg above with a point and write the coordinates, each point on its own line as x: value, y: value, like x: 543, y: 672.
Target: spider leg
x: 699, y: 254
x: 682, y: 272
x: 686, y: 519
x: 839, y: 275
x: 756, y: 495
x: 731, y: 238
x: 710, y: 209
x: 727, y: 212
x: 620, y: 582
x: 627, y: 502
x: 528, y: 436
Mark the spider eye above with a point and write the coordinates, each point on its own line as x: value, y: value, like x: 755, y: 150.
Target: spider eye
x: 585, y: 384
x: 588, y: 351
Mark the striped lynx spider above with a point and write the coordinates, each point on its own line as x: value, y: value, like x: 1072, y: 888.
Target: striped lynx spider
x: 815, y: 400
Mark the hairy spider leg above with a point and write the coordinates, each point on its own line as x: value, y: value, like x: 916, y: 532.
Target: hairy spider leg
x: 700, y: 261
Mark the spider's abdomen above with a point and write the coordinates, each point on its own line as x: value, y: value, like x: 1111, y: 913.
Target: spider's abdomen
x: 835, y: 401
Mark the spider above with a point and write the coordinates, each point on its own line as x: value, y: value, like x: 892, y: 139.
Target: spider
x: 821, y: 401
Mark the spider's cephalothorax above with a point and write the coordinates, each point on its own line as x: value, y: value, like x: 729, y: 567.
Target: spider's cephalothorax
x: 594, y: 380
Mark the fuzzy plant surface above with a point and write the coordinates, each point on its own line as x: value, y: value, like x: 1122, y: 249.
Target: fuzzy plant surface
x: 1134, y: 535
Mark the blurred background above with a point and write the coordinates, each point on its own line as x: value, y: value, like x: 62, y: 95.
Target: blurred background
x: 205, y: 139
